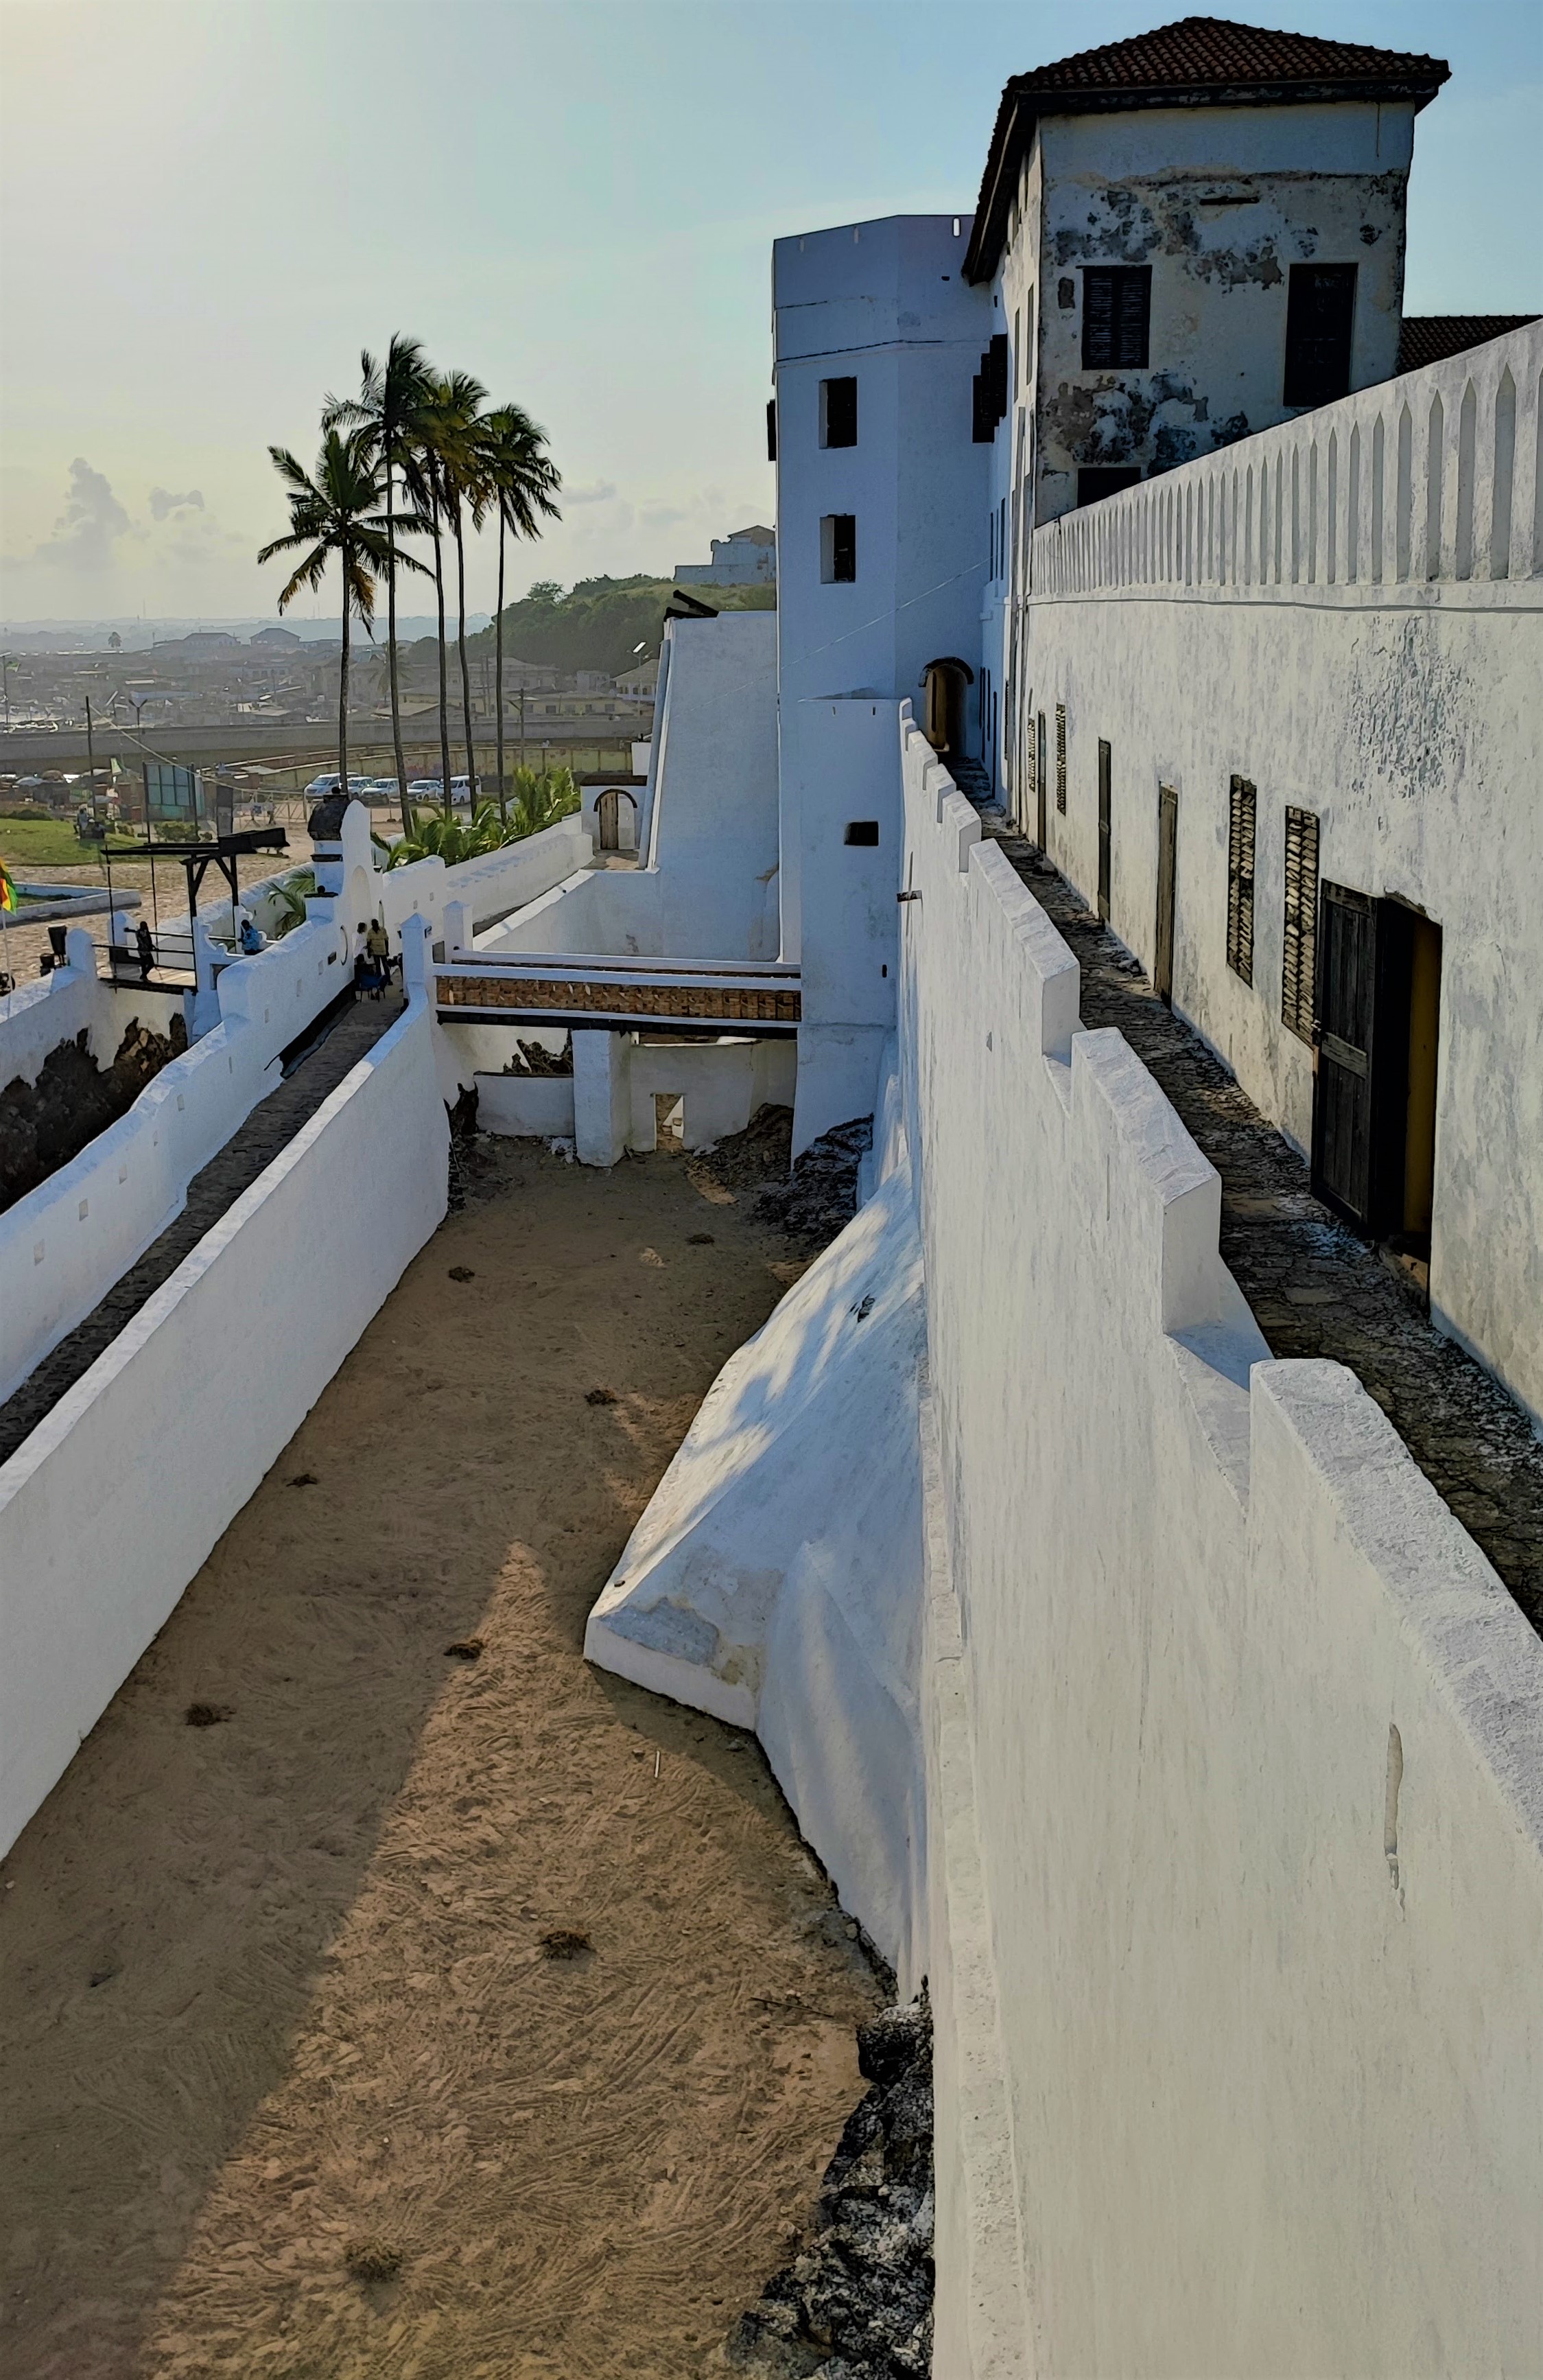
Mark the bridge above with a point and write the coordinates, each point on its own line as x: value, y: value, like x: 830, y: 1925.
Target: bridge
x: 625, y: 995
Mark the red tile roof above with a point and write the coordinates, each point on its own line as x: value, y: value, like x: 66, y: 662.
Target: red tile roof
x: 1196, y: 62
x: 1430, y: 339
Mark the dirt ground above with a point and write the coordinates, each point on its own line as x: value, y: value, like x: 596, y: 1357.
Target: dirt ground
x: 289, y: 2082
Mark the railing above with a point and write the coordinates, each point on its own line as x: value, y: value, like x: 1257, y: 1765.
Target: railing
x: 1433, y: 479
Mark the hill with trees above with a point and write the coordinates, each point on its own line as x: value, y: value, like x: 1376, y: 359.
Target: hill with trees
x: 598, y: 622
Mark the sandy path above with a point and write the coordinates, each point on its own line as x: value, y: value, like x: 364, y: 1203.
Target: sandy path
x: 273, y: 1987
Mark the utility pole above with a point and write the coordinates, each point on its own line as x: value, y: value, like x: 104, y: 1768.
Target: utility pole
x: 522, y: 728
x: 90, y: 754
x: 8, y: 662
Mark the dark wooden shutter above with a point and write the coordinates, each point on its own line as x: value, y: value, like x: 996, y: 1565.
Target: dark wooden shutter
x: 982, y: 421
x: 1342, y: 1088
x: 1061, y: 757
x: 996, y: 369
x: 1116, y: 317
x: 1321, y: 315
x: 1105, y: 827
x: 1301, y: 960
x: 1242, y: 812
x: 1167, y: 892
x: 771, y: 429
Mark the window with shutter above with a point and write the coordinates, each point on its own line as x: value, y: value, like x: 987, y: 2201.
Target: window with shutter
x: 1242, y: 809
x: 1116, y: 317
x: 1321, y: 315
x: 1061, y: 756
x: 838, y: 547
x: 1297, y: 1007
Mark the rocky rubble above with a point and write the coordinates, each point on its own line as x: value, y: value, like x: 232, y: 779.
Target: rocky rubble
x: 857, y: 2303
x: 45, y: 1124
x: 819, y: 1196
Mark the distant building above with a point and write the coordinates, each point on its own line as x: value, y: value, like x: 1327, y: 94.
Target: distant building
x: 639, y: 684
x: 746, y: 557
x: 276, y: 639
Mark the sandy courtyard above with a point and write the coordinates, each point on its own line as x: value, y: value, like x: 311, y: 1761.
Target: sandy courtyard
x: 276, y: 2008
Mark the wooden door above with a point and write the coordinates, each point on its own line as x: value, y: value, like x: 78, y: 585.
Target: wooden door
x: 1167, y: 888
x: 1105, y: 830
x: 609, y: 809
x: 1347, y: 1004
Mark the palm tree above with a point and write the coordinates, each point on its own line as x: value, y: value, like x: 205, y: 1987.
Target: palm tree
x: 523, y: 483
x: 391, y: 398
x: 334, y: 515
x: 448, y: 481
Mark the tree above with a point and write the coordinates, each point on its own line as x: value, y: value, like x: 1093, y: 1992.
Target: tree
x: 453, y: 483
x: 334, y: 517
x: 388, y: 408
x: 523, y: 484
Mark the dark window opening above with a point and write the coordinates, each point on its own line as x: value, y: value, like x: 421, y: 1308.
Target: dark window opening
x: 863, y: 831
x: 1242, y: 813
x: 1321, y: 314
x: 1116, y: 317
x: 838, y: 412
x: 1066, y: 292
x: 1105, y: 480
x: 1105, y: 827
x: 989, y: 392
x: 1298, y: 968
x: 771, y: 429
x: 838, y: 548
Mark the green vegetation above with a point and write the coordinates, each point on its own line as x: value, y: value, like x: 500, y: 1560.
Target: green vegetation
x: 40, y: 843
x: 596, y: 625
x: 539, y: 801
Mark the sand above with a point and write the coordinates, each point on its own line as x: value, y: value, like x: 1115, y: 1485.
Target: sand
x: 276, y: 2015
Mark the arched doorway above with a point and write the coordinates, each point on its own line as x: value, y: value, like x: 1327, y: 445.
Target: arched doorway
x: 942, y: 712
x: 618, y: 827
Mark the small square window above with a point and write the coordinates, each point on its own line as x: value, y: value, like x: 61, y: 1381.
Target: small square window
x: 862, y: 831
x: 838, y: 412
x: 838, y: 548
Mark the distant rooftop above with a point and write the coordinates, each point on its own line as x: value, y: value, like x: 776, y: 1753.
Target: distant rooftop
x: 1430, y: 339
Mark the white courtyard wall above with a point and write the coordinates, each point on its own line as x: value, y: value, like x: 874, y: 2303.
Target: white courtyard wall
x: 711, y: 828
x: 491, y: 885
x: 110, y: 1505
x: 1255, y: 1746
x: 1359, y: 636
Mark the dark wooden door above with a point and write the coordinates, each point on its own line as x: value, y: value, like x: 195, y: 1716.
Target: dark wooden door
x: 1167, y: 887
x: 1105, y: 830
x: 1346, y: 1000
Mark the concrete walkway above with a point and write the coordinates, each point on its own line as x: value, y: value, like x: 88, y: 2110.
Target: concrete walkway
x: 1314, y: 1287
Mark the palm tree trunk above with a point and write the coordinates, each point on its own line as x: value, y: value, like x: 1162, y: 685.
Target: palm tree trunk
x: 343, y: 682
x: 444, y: 685
x: 390, y: 652
x: 461, y: 643
x: 498, y: 647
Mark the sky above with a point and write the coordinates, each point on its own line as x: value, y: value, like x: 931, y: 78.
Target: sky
x: 208, y: 207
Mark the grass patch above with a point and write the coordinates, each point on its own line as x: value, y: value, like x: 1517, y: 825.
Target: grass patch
x: 40, y: 843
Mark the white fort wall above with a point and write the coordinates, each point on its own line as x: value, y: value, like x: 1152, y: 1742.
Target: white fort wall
x: 1255, y: 1747
x: 1345, y: 612
x: 64, y: 1245
x: 110, y: 1505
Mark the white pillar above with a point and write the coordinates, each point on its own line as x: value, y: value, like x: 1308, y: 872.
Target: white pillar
x: 602, y: 1096
x: 414, y: 954
x: 79, y: 951
x: 457, y: 926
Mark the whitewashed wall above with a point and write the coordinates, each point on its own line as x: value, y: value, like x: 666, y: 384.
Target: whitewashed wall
x: 1254, y: 1744
x: 1343, y: 611
x: 36, y: 1017
x: 110, y: 1505
x: 64, y: 1245
x: 492, y: 885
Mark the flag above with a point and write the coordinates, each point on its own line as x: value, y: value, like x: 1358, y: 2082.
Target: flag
x: 8, y: 901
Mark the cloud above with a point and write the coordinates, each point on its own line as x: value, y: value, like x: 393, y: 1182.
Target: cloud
x: 91, y: 524
x: 161, y: 503
x: 602, y: 492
